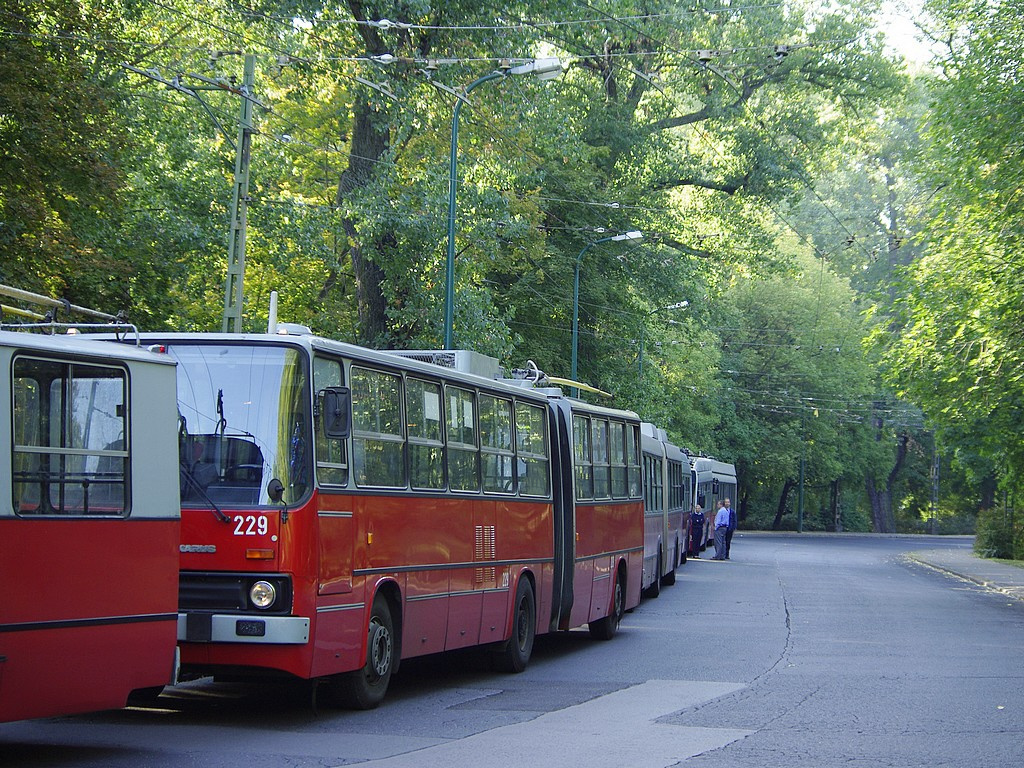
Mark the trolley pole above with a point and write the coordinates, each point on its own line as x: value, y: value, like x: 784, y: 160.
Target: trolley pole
x: 233, y: 286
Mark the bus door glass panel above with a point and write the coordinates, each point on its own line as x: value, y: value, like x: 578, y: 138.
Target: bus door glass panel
x: 463, y: 456
x: 583, y: 457
x: 378, y: 435
x: 684, y: 488
x: 671, y: 490
x: 648, y: 485
x: 498, y: 464
x: 426, y: 443
x: 617, y: 440
x: 602, y: 476
x: 336, y: 527
x: 659, y: 485
x: 244, y: 422
x: 75, y: 460
x: 28, y: 425
x: 633, y: 460
x: 670, y: 494
x: 676, y: 501
x: 534, y: 467
x: 496, y: 444
x: 331, y: 454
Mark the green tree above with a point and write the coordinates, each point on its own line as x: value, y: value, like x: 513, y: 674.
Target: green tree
x: 798, y: 389
x: 957, y: 348
x: 59, y: 147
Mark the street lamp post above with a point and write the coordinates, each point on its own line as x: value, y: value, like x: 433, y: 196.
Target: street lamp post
x: 543, y: 69
x: 632, y: 235
x: 643, y: 332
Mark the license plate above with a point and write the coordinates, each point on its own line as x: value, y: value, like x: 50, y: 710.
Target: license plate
x: 250, y: 628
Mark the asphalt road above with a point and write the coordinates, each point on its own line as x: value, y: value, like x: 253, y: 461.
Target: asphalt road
x: 807, y: 650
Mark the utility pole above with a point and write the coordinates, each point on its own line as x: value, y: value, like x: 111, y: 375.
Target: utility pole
x: 800, y: 497
x: 233, y: 284
x: 233, y: 295
x: 803, y: 461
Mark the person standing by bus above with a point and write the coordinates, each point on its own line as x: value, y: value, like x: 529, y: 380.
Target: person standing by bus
x: 696, y: 530
x: 732, y: 526
x: 721, y: 527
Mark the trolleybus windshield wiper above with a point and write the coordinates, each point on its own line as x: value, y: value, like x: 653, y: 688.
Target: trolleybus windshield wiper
x: 198, y: 488
x: 190, y: 479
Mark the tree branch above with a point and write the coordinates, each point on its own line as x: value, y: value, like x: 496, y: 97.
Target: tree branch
x: 682, y: 247
x: 749, y: 88
x: 729, y: 188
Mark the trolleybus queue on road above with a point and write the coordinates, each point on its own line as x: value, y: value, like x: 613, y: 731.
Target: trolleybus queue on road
x: 343, y: 509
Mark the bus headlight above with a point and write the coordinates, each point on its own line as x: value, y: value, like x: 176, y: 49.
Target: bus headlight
x: 262, y: 594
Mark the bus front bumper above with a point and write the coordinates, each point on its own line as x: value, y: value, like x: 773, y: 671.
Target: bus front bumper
x: 232, y: 628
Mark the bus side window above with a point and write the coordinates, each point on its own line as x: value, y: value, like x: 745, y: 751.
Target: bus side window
x: 463, y: 452
x: 69, y: 454
x: 633, y: 458
x: 496, y: 444
x: 602, y: 468
x: 378, y: 429
x: 331, y: 453
x: 27, y: 423
x: 426, y: 444
x: 532, y: 450
x: 583, y: 457
x: 618, y: 460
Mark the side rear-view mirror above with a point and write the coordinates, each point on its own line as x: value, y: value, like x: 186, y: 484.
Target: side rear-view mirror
x: 335, y: 413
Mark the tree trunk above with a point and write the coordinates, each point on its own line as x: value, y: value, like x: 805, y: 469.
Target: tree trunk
x: 882, y: 518
x: 370, y: 140
x: 783, y: 500
x: 989, y: 487
x: 881, y: 506
x: 369, y: 143
x: 837, y: 507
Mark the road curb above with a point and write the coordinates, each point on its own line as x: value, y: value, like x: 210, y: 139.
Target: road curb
x: 1017, y: 593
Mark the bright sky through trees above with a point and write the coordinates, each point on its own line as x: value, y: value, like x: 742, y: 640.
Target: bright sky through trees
x: 899, y: 20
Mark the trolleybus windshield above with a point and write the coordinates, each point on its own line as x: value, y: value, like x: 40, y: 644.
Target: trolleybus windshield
x: 244, y: 423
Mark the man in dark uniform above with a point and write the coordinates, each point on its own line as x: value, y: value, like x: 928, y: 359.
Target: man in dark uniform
x: 696, y: 530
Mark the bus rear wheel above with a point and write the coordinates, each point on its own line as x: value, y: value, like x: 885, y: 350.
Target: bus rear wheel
x: 678, y: 558
x: 605, y: 629
x: 365, y: 688
x: 515, y: 654
x: 655, y: 589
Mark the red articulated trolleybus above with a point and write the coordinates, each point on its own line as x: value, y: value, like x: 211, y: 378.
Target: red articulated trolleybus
x: 89, y: 524
x: 343, y: 509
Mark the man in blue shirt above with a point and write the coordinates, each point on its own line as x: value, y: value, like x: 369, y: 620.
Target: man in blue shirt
x: 732, y: 527
x: 721, y: 528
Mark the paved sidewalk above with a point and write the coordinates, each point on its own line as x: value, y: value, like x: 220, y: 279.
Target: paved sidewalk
x: 963, y: 563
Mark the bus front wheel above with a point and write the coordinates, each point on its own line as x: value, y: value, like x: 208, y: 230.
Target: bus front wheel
x: 365, y: 688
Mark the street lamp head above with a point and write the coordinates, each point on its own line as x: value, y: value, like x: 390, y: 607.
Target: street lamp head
x: 632, y: 235
x: 542, y: 69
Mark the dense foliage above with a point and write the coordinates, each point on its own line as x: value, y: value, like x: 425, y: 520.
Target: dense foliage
x: 955, y: 347
x: 793, y: 187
